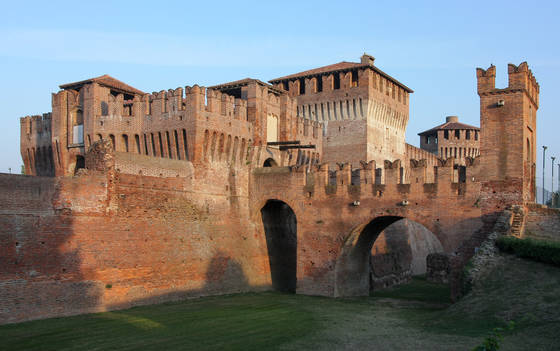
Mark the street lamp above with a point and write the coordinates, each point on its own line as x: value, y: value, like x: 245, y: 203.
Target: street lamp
x: 552, y: 180
x: 543, y: 167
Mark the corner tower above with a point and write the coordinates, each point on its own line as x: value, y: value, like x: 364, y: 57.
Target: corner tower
x: 508, y: 134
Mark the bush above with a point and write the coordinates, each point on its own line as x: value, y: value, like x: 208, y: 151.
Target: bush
x: 538, y: 250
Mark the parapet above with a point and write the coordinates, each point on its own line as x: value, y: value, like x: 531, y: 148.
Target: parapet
x: 486, y: 79
x: 36, y: 125
x: 519, y: 78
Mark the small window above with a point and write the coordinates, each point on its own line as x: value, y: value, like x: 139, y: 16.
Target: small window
x: 354, y: 78
x: 319, y: 84
x: 336, y: 79
x: 468, y: 135
x: 301, y: 86
x: 457, y: 134
x: 446, y: 134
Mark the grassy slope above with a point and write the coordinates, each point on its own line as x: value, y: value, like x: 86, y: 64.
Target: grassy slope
x: 410, y: 317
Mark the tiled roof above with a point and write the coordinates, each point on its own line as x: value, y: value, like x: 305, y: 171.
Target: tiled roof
x: 344, y: 65
x: 105, y: 80
x: 449, y: 126
x: 341, y: 66
x: 241, y: 83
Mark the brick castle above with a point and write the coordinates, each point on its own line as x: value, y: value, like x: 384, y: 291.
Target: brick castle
x: 300, y: 185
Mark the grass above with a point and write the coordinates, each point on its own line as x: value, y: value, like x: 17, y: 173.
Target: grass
x: 419, y: 289
x: 416, y: 316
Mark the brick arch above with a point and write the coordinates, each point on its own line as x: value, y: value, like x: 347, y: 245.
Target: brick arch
x: 281, y: 234
x: 352, y: 264
x: 352, y: 267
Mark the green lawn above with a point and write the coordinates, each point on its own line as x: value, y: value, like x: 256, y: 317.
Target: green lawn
x: 416, y: 316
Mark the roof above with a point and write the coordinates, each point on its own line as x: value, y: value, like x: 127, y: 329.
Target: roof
x: 340, y: 67
x: 244, y: 82
x: 105, y: 80
x: 449, y: 126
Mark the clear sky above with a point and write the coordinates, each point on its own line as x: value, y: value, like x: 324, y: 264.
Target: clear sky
x: 431, y: 46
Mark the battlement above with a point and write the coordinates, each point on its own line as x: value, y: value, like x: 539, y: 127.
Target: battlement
x: 366, y: 179
x: 36, y: 124
x: 519, y: 78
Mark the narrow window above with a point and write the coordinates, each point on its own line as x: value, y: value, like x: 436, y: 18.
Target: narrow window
x: 446, y: 134
x: 185, y: 148
x: 137, y: 139
x: 476, y: 135
x: 125, y: 142
x: 160, y: 145
x: 169, y: 154
x: 112, y: 137
x: 336, y: 83
x: 285, y: 85
x: 458, y: 134
x: 301, y: 86
x: 319, y: 84
x: 468, y: 135
x: 145, y: 144
x: 354, y: 78
x: 177, y: 144
x: 153, y: 144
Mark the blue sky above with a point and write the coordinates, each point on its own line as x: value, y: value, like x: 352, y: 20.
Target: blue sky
x: 431, y: 46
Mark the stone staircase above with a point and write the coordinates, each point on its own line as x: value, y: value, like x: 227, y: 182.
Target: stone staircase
x: 518, y: 221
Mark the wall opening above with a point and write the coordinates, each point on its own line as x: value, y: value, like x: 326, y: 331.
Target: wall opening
x: 280, y: 227
x: 384, y: 252
x: 269, y: 162
x: 80, y: 163
x: 336, y: 81
x: 301, y: 86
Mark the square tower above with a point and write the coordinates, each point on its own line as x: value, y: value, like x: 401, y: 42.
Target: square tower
x: 508, y: 133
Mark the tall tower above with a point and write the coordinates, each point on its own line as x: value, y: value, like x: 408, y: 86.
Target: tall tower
x: 508, y: 135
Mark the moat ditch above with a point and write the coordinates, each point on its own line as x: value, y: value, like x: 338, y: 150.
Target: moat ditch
x: 414, y: 316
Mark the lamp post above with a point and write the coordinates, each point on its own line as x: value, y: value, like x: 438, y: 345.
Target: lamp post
x: 543, y: 167
x: 552, y: 180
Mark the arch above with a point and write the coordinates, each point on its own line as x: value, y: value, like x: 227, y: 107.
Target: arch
x: 205, y: 145
x: 80, y: 163
x: 220, y: 152
x: 352, y: 266
x: 384, y: 252
x: 125, y: 142
x: 269, y: 162
x: 185, y: 145
x: 112, y: 137
x: 280, y: 228
x: 168, y: 142
x: 137, y: 141
x: 177, y: 150
x: 529, y: 154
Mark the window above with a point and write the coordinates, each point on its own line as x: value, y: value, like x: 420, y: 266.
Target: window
x: 458, y: 134
x: 446, y: 134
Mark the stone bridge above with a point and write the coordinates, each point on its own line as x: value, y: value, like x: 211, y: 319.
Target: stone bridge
x: 320, y: 232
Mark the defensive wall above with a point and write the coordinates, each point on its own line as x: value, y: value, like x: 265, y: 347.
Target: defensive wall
x: 134, y: 226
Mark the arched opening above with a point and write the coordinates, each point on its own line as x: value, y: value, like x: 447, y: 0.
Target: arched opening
x: 384, y: 252
x: 280, y: 227
x: 80, y: 163
x: 529, y: 154
x: 269, y: 162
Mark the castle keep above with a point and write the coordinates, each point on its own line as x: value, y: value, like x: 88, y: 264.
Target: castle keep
x: 141, y: 198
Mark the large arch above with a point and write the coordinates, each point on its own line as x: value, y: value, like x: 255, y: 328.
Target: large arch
x: 280, y: 227
x: 352, y: 266
x: 407, y: 244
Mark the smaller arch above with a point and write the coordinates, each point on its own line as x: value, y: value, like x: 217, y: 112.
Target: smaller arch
x: 80, y: 163
x: 269, y: 162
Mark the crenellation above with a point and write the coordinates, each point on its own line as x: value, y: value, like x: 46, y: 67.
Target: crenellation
x: 207, y: 160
